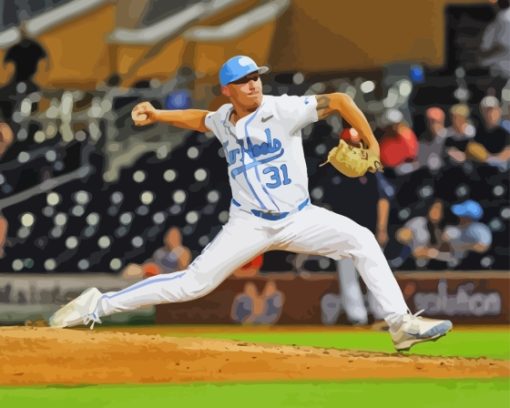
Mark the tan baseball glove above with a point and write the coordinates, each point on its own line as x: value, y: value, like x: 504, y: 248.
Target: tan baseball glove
x: 353, y: 161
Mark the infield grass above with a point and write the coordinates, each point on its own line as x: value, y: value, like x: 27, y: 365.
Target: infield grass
x: 394, y: 394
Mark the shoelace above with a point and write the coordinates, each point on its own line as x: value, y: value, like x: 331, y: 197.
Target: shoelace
x: 419, y: 312
x: 412, y: 320
x: 91, y: 317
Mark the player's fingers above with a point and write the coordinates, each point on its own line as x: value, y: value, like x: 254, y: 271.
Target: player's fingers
x: 135, y: 112
x: 135, y: 115
x: 142, y: 122
x: 375, y: 167
x: 144, y: 111
x: 146, y: 106
x: 141, y: 106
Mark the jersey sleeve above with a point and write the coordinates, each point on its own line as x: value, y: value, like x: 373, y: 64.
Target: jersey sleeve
x: 214, y: 122
x: 209, y: 121
x: 297, y: 111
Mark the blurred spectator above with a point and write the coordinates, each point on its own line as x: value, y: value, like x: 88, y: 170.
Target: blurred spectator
x: 25, y: 55
x: 491, y: 144
x: 431, y: 147
x: 459, y: 133
x: 469, y: 234
x: 173, y: 256
x: 495, y: 45
x: 6, y: 138
x: 132, y: 272
x: 352, y: 300
x: 150, y: 269
x: 399, y: 145
x: 4, y: 227
x: 422, y: 237
x: 383, y: 212
x: 251, y: 268
x: 252, y: 307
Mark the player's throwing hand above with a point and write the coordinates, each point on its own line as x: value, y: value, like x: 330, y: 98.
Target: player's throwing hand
x: 144, y: 114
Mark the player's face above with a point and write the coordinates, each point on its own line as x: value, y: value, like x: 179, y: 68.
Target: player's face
x: 246, y: 91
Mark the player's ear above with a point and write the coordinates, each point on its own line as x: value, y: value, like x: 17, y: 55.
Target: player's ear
x: 225, y: 90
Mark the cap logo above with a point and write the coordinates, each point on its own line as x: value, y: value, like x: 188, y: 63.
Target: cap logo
x: 244, y: 61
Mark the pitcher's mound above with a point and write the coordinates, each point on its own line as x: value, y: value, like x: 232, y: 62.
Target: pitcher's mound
x: 40, y: 355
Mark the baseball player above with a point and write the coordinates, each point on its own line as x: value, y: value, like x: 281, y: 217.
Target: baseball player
x: 270, y: 208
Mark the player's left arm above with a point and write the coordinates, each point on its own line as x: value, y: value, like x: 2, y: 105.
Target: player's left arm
x: 343, y: 104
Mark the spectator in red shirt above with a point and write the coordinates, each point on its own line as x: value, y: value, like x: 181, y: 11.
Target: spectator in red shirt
x: 399, y: 144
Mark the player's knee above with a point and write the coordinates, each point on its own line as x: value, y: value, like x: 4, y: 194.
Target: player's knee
x: 202, y: 283
x: 203, y: 288
x: 365, y: 237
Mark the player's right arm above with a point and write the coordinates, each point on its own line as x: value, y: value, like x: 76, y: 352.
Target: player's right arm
x: 145, y: 114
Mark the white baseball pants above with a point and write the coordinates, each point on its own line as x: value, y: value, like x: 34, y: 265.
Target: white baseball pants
x: 313, y: 230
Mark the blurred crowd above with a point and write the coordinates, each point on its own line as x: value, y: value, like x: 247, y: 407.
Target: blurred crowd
x: 442, y: 201
x: 452, y: 164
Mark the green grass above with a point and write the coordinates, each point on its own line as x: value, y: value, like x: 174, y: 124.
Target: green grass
x: 482, y: 343
x: 416, y: 394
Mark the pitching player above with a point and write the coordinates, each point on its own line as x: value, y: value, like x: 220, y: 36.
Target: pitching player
x: 270, y: 209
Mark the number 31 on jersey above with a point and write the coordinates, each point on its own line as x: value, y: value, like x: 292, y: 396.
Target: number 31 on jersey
x: 279, y: 176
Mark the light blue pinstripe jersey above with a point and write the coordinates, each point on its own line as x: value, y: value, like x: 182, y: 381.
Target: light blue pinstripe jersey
x: 264, y: 152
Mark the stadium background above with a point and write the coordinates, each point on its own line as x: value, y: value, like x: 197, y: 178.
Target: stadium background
x: 85, y: 195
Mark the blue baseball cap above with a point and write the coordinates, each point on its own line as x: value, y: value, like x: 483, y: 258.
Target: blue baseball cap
x: 469, y: 209
x: 237, y: 67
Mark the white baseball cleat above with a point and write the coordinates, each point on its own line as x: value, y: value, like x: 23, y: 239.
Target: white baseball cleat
x: 415, y: 329
x: 81, y: 310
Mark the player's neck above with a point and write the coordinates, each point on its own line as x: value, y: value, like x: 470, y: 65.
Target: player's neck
x: 240, y: 112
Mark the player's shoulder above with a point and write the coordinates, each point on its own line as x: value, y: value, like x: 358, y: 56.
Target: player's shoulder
x: 284, y: 97
x: 221, y: 113
x: 285, y: 100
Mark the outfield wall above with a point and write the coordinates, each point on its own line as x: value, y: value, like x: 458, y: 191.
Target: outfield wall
x: 34, y: 297
x: 283, y: 298
x: 463, y: 297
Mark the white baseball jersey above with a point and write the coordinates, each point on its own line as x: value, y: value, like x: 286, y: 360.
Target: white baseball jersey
x: 264, y: 152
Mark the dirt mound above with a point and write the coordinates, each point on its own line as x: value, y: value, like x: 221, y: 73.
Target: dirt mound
x: 37, y: 355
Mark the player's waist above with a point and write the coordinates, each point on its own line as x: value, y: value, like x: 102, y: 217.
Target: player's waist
x: 272, y: 215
